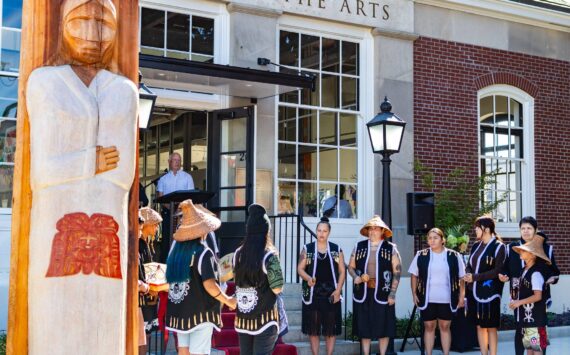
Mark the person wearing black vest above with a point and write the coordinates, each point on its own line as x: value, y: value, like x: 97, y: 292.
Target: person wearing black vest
x: 514, y: 266
x: 438, y: 289
x: 376, y: 269
x: 194, y: 295
x: 484, y: 289
x: 149, y: 220
x: 530, y: 305
x: 258, y: 279
x: 321, y: 266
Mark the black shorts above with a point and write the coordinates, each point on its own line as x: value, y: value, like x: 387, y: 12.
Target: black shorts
x: 435, y: 311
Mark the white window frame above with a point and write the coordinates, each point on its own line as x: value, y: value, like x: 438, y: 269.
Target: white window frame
x: 216, y: 11
x: 7, y: 210
x: 511, y: 230
x: 365, y: 158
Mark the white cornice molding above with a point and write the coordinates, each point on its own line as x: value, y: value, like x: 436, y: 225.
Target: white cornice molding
x: 408, y: 36
x: 253, y: 10
x: 507, y: 10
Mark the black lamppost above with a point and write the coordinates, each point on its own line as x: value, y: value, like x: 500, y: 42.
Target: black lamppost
x: 386, y: 131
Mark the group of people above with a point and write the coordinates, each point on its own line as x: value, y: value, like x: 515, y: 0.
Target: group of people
x: 196, y: 293
x: 442, y: 284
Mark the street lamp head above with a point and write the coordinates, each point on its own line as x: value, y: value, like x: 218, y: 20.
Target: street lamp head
x: 147, y: 99
x: 386, y: 130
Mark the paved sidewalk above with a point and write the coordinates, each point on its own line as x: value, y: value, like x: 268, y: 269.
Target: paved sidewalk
x: 559, y: 344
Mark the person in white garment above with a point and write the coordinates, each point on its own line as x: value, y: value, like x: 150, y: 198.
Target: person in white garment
x: 175, y: 180
x: 83, y: 125
x: 438, y: 289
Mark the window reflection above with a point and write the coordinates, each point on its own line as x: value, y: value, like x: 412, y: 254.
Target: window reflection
x: 501, y: 137
x: 8, y: 96
x: 326, y: 131
x: 187, y: 36
x: 12, y: 13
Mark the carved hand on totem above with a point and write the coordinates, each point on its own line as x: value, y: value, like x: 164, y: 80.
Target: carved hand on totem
x: 106, y: 158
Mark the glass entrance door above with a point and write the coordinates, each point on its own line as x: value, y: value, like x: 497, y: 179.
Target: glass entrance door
x: 230, y: 171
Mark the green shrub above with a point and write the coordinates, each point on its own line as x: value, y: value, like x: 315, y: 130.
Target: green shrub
x: 401, y: 326
x: 2, y: 343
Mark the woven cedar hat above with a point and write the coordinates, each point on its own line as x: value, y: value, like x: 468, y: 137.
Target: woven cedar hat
x: 201, y: 208
x: 149, y: 216
x: 195, y: 223
x: 534, y: 247
x: 376, y: 221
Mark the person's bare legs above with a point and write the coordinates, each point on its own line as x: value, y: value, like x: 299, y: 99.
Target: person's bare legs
x: 365, y: 345
x: 445, y: 334
x: 330, y: 344
x: 142, y: 349
x: 483, y: 338
x: 429, y: 336
x: 383, y: 345
x: 493, y: 340
x: 314, y: 340
x: 183, y: 350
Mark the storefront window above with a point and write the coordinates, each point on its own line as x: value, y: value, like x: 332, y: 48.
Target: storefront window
x: 8, y: 106
x: 10, y: 35
x: 177, y: 35
x: 317, y: 130
x: 501, y: 124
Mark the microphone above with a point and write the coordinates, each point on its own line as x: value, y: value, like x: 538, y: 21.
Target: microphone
x: 155, y: 181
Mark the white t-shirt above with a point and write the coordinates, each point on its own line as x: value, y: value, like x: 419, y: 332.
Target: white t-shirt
x: 438, y: 276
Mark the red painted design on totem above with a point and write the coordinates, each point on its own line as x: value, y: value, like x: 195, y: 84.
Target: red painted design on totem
x: 86, y: 244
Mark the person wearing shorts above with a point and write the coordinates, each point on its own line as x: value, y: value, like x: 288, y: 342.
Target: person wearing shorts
x: 194, y: 295
x: 438, y: 289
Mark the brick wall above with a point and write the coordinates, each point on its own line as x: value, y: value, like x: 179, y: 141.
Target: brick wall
x: 447, y: 77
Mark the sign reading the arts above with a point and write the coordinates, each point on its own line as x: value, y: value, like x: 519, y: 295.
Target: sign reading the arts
x: 394, y: 15
x: 364, y: 8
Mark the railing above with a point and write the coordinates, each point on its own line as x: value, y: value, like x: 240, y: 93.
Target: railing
x: 290, y: 233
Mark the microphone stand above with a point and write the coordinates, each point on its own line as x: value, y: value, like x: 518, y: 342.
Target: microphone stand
x: 154, y: 181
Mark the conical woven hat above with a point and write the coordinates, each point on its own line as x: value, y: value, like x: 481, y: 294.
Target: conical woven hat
x: 376, y: 221
x: 201, y: 208
x: 534, y: 247
x: 195, y: 224
x: 149, y: 216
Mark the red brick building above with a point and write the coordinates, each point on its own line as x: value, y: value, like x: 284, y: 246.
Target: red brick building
x: 462, y: 119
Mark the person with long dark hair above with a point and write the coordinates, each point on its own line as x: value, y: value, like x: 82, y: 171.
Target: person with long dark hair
x: 194, y: 297
x: 438, y: 289
x: 321, y: 266
x: 530, y: 305
x: 514, y: 267
x: 258, y: 279
x: 376, y: 268
x: 484, y: 289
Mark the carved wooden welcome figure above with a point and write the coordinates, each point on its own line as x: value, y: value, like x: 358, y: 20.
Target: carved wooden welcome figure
x: 83, y: 129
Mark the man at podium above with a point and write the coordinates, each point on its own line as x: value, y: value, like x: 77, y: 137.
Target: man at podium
x: 176, y: 179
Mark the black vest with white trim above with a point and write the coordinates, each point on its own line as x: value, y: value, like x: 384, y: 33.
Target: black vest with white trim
x: 486, y: 290
x: 533, y: 314
x: 311, y: 267
x: 423, y: 260
x: 256, y: 304
x: 383, y: 270
x: 189, y: 304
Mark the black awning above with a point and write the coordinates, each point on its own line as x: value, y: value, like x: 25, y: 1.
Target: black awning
x: 223, y: 79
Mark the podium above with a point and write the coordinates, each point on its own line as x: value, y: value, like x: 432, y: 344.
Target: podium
x: 197, y: 197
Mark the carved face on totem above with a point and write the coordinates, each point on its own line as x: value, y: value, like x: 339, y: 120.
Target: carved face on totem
x: 89, y: 29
